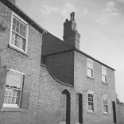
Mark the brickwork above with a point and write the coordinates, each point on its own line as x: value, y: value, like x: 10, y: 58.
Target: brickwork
x: 61, y: 66
x: 42, y: 98
x: 52, y: 44
x: 51, y: 100
x: 28, y: 63
x: 83, y: 84
x: 120, y: 113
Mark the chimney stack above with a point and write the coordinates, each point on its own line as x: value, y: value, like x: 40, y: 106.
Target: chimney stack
x: 71, y: 35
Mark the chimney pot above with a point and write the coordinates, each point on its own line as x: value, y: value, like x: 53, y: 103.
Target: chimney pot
x: 72, y: 16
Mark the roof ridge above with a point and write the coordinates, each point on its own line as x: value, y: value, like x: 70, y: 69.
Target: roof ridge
x: 18, y: 11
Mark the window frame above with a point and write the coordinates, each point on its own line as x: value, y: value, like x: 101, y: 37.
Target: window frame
x: 21, y: 89
x: 89, y: 110
x: 104, y: 74
x: 11, y: 32
x: 90, y: 61
x: 105, y: 97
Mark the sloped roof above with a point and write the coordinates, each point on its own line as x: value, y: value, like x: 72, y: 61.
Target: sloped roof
x: 51, y: 45
x: 15, y: 9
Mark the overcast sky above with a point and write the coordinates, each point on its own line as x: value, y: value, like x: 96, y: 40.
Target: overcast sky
x: 100, y: 23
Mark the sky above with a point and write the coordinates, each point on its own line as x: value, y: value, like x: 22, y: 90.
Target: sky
x: 100, y: 23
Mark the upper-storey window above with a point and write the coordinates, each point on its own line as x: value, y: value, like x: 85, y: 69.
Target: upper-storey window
x: 19, y: 33
x: 104, y: 74
x: 90, y: 72
x: 13, y: 88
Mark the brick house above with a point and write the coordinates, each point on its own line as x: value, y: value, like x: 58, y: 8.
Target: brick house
x: 120, y: 112
x: 45, y: 80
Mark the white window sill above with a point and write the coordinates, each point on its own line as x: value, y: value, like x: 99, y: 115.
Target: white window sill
x: 105, y: 113
x: 17, y: 49
x: 12, y: 110
x: 90, y: 111
x: 10, y: 106
x: 104, y: 83
x: 62, y: 122
x: 77, y: 123
x: 90, y: 77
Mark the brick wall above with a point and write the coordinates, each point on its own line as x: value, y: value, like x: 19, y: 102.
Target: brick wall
x: 52, y: 44
x: 28, y: 63
x: 83, y: 84
x: 51, y: 102
x: 120, y: 113
x: 62, y: 66
x: 42, y: 95
x: 42, y: 100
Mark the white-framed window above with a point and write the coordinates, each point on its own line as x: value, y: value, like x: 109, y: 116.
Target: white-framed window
x: 13, y: 88
x: 90, y: 101
x: 104, y: 74
x: 18, y: 33
x: 105, y: 104
x: 90, y: 70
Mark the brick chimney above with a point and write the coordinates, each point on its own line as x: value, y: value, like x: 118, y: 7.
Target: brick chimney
x: 71, y: 35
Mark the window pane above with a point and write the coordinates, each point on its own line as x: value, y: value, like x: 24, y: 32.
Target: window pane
x: 14, y: 24
x: 19, y: 32
x: 24, y: 44
x: 11, y: 96
x: 91, y: 107
x: 89, y: 68
x: 90, y: 102
x: 17, y: 26
x: 8, y: 96
x: 104, y: 74
x: 14, y: 79
x: 103, y: 70
x: 105, y: 108
x: 103, y: 78
x: 89, y: 72
x: 22, y: 29
x: 105, y: 104
x: 13, y: 38
x: 13, y: 88
x: 90, y: 95
x: 89, y: 63
x: 20, y: 42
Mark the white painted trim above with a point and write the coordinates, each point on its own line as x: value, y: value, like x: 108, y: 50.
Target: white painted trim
x: 14, y: 105
x: 10, y: 69
x: 105, y: 96
x: 103, y: 67
x: 90, y: 92
x: 27, y: 33
x: 89, y: 60
x: 10, y: 105
x: 14, y: 14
